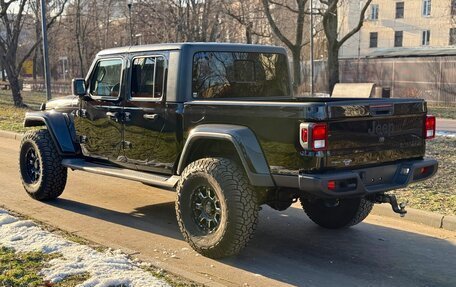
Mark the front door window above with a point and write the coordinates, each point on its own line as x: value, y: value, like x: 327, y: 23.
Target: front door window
x: 105, y: 81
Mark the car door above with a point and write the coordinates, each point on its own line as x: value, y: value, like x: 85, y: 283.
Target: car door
x: 145, y: 113
x: 98, y: 121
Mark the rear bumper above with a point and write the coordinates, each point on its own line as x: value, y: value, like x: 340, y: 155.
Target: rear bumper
x: 362, y: 181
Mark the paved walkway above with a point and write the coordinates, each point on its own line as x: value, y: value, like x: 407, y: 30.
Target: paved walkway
x: 446, y: 125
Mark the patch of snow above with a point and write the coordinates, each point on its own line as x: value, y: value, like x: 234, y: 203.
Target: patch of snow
x: 6, y: 219
x: 447, y: 134
x: 110, y: 268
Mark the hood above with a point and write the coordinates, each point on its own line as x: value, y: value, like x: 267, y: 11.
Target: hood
x: 67, y: 102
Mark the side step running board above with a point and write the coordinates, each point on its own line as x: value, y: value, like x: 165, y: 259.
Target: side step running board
x: 156, y: 180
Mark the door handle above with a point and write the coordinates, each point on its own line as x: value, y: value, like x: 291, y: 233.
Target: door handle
x: 112, y: 115
x: 151, y: 117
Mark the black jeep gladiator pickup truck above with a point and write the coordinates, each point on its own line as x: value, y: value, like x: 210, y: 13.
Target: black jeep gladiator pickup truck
x: 218, y: 124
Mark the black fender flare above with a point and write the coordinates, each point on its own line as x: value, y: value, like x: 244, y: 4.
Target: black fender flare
x: 60, y: 127
x: 245, y: 143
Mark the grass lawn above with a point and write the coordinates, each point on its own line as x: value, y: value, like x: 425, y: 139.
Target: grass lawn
x: 21, y: 269
x: 28, y: 268
x: 11, y: 117
x: 443, y: 112
x: 439, y: 193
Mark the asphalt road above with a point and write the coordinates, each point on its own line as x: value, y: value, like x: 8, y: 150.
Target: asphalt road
x: 288, y: 249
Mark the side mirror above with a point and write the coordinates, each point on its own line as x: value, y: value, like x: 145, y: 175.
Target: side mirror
x: 78, y: 87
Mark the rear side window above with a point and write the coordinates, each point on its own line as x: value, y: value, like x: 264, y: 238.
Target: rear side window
x: 148, y: 77
x: 105, y: 81
x: 239, y: 75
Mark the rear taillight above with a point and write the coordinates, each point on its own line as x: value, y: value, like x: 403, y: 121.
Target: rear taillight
x: 314, y: 136
x: 429, y: 127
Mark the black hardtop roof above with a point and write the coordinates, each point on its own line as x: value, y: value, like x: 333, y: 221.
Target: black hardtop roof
x: 205, y: 46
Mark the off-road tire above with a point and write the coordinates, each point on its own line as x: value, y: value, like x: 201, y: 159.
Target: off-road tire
x: 53, y: 176
x: 346, y: 213
x: 239, y: 216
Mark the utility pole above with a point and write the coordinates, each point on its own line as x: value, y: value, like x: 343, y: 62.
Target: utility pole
x: 358, y: 75
x: 312, y: 88
x: 47, y: 72
x: 129, y: 3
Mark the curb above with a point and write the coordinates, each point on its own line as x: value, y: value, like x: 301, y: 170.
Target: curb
x: 427, y: 218
x: 10, y: 135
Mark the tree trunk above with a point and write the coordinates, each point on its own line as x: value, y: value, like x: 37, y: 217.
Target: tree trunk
x: 333, y: 66
x: 331, y: 31
x: 2, y: 67
x: 13, y: 79
x: 296, y: 53
x: 16, y: 91
x: 248, y: 33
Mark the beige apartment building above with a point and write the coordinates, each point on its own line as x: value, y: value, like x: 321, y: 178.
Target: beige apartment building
x: 398, y: 25
x: 408, y: 47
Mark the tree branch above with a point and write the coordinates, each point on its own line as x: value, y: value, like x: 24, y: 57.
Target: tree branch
x: 355, y: 30
x: 284, y: 6
x: 40, y: 40
x: 274, y: 27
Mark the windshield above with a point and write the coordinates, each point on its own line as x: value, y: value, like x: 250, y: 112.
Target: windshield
x: 239, y: 75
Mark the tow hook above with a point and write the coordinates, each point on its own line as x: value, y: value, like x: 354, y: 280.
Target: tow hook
x: 391, y: 199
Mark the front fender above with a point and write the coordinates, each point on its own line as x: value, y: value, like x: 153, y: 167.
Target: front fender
x: 59, y: 127
x: 245, y: 143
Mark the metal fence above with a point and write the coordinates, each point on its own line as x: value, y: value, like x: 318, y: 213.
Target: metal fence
x: 57, y: 87
x: 430, y: 78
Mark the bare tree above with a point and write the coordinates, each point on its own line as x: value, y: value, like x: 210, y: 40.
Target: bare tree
x: 9, y: 41
x: 247, y: 14
x: 295, y: 46
x: 196, y: 21
x: 330, y: 13
x: 38, y: 53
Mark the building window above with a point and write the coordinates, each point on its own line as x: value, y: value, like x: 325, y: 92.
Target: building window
x: 373, y: 40
x: 398, y: 37
x: 425, y: 37
x: 453, y: 36
x: 426, y: 7
x: 374, y: 12
x: 453, y: 8
x: 399, y: 10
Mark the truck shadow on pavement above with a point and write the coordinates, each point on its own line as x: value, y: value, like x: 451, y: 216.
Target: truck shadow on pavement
x: 288, y: 248
x: 157, y: 218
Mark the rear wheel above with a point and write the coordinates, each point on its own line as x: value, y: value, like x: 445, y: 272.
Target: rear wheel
x: 42, y: 173
x: 216, y: 208
x: 335, y: 214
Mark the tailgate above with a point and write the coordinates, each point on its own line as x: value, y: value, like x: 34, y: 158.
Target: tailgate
x: 373, y: 132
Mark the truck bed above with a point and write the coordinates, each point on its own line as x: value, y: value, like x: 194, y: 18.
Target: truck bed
x: 362, y: 132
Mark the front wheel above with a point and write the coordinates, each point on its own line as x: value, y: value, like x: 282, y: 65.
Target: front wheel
x: 335, y: 214
x: 40, y: 166
x: 216, y: 207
